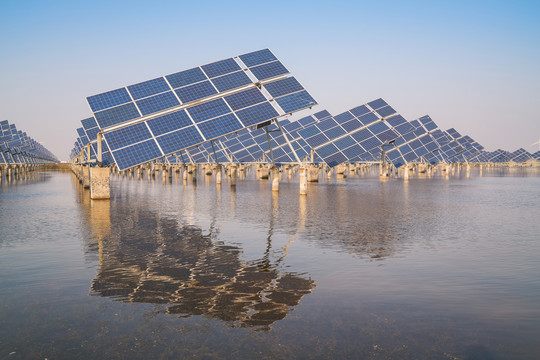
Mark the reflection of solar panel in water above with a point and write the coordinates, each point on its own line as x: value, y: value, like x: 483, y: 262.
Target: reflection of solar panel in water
x: 178, y: 111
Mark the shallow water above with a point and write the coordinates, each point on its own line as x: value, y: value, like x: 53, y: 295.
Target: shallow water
x: 438, y: 268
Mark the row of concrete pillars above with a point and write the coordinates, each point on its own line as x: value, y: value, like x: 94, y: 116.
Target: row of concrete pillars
x: 97, y: 179
x: 386, y: 170
x: 307, y: 173
x: 8, y: 170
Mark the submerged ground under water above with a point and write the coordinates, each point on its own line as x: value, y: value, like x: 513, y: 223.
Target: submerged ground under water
x: 440, y: 268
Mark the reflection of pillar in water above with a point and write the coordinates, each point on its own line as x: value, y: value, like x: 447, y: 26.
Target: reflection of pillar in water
x: 302, y: 205
x: 275, y: 179
x: 218, y: 175
x: 100, y: 220
x: 303, y: 181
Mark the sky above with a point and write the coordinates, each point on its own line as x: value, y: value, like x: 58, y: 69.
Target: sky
x: 470, y: 65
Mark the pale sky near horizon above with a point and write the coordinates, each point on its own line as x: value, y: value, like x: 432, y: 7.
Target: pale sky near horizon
x: 470, y: 65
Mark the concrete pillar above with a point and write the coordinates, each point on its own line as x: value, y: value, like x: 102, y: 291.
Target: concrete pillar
x: 275, y: 178
x: 85, y: 176
x: 184, y: 173
x: 264, y: 172
x: 303, y: 181
x: 233, y: 175
x: 100, y: 188
x: 313, y: 173
x: 406, y: 172
x: 218, y: 175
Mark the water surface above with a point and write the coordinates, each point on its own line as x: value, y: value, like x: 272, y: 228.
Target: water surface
x: 438, y: 268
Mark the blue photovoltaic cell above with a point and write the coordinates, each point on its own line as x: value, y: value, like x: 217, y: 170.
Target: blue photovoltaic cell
x: 387, y: 135
x: 327, y: 150
x: 148, y: 88
x: 89, y: 123
x: 317, y: 140
x: 157, y: 103
x: 208, y: 110
x: 360, y: 110
x: 396, y: 120
x: 257, y: 114
x: 186, y: 77
x: 296, y: 101
x: 231, y: 81
x: 81, y: 132
x: 415, y: 144
x: 353, y: 151
x: 245, y: 98
x: 257, y: 57
x: 335, y: 132
x: 421, y: 151
x: 371, y: 143
x: 136, y: 154
x: 410, y: 156
x: 283, y: 87
x: 345, y: 143
x: 344, y: 117
x: 322, y: 114
x: 220, y: 126
x: 362, y: 135
x: 179, y: 140
x: 385, y: 111
x: 405, y: 149
x: 92, y: 133
x: 108, y: 99
x: 129, y: 135
x: 327, y: 124
x: 335, y: 159
x: 309, y: 131
x: 378, y: 128
x: 404, y: 128
x: 221, y: 67
x: 116, y: 115
x: 269, y: 70
x: 376, y: 104
x: 167, y: 123
x: 351, y: 125
x: 195, y: 92
x: 368, y: 118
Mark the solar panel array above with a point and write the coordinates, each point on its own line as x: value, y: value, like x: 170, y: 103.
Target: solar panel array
x: 162, y: 116
x: 16, y: 147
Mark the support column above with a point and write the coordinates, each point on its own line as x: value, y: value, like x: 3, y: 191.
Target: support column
x: 100, y: 188
x: 406, y: 172
x: 85, y: 176
x: 313, y: 173
x: 303, y: 181
x: 275, y: 178
x: 218, y: 175
x: 233, y: 175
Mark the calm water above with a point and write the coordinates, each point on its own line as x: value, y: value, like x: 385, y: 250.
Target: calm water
x: 445, y: 268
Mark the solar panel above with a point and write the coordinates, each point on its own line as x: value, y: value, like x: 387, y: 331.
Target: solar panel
x: 190, y: 107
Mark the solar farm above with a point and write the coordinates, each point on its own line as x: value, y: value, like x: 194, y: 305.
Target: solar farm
x: 236, y: 113
x: 19, y: 152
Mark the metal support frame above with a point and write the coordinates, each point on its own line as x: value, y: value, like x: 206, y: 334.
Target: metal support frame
x: 288, y: 142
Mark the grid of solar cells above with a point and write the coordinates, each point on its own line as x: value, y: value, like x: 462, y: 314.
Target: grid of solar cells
x: 348, y: 136
x: 520, y: 155
x: 199, y: 92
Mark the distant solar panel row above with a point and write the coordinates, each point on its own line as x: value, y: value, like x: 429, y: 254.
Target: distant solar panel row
x: 16, y: 147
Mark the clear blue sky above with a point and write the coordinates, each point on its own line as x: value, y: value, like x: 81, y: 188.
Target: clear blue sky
x: 474, y: 66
